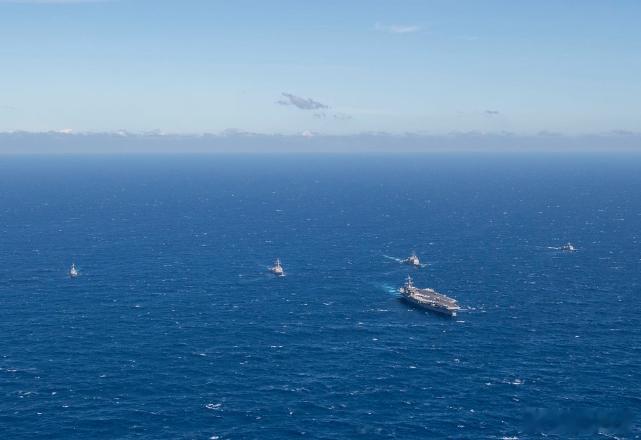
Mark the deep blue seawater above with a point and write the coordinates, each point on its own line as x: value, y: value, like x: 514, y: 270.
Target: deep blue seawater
x: 175, y: 329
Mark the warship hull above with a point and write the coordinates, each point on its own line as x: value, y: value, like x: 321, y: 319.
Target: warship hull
x: 429, y: 307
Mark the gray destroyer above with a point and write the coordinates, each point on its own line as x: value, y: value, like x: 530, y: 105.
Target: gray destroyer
x: 428, y: 299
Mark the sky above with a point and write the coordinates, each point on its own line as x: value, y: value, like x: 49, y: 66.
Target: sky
x: 320, y: 67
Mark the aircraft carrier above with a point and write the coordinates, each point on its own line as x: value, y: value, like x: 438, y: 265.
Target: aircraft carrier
x: 428, y: 299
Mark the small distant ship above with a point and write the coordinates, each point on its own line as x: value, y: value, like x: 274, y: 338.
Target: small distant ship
x: 413, y: 260
x: 277, y: 269
x: 73, y: 271
x: 569, y: 247
x: 428, y: 299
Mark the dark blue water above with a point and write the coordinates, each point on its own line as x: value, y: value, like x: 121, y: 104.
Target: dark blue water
x: 175, y: 330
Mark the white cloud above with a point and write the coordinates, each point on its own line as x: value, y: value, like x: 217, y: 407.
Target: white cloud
x: 397, y: 28
x: 300, y: 102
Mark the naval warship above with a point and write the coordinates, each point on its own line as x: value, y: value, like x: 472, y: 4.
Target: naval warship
x: 428, y: 299
x: 277, y: 269
x: 569, y: 247
x: 413, y: 260
x: 73, y: 271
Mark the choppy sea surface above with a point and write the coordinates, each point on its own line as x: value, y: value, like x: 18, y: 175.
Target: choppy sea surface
x: 175, y: 329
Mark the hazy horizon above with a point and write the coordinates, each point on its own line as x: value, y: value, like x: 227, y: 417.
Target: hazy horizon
x: 434, y: 70
x: 241, y: 142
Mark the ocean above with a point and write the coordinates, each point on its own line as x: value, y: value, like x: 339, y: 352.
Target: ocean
x: 175, y: 329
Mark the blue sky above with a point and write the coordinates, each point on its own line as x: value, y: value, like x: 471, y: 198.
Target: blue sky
x: 432, y: 67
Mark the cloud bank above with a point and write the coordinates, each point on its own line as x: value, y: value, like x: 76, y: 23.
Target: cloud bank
x: 235, y: 141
